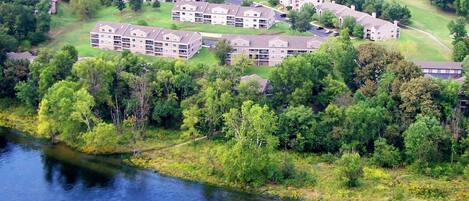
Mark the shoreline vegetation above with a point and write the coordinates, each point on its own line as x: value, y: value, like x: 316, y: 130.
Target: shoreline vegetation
x: 189, y: 162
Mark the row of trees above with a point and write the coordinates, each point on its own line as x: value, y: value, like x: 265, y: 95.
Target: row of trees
x: 383, y: 9
x: 23, y: 24
x: 460, y: 42
x: 366, y: 101
x: 460, y: 6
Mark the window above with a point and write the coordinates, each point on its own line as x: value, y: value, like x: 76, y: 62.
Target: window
x: 103, y: 30
x: 133, y: 39
x: 134, y: 34
x: 166, y: 44
x: 110, y: 30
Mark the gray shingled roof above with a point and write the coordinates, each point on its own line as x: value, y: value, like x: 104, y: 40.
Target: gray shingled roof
x: 20, y: 55
x: 439, y: 65
x: 294, y: 42
x: 261, y: 81
x: 235, y: 10
x: 152, y: 32
x: 363, y: 18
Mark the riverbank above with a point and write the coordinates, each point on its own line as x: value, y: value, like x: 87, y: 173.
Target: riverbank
x: 198, y: 162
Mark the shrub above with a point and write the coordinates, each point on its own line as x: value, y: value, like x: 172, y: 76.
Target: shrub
x: 103, y: 138
x: 385, y: 155
x: 350, y: 168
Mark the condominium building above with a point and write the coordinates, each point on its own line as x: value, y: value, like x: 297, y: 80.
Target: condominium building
x: 441, y: 69
x: 145, y: 40
x: 269, y: 50
x: 223, y: 14
x: 374, y: 28
x: 297, y: 4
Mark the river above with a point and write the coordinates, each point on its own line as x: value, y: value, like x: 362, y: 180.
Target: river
x: 32, y: 170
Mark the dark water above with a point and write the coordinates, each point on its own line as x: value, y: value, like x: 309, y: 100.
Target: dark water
x: 34, y: 171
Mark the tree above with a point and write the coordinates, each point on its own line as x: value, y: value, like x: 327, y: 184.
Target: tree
x: 85, y: 9
x: 417, y: 97
x: 358, y: 31
x: 246, y: 3
x: 395, y: 11
x: 221, y: 51
x: 103, y: 138
x: 191, y: 119
x: 328, y: 19
x: 460, y: 51
x: 7, y: 43
x: 97, y: 75
x: 422, y: 139
x: 296, y: 128
x: 216, y: 1
x: 13, y: 71
x: 249, y: 159
x: 84, y: 103
x: 156, y: 4
x: 120, y: 5
x: 62, y: 101
x: 136, y: 5
x: 350, y: 168
x: 457, y: 29
x: 385, y: 155
x: 273, y: 2
x: 349, y: 23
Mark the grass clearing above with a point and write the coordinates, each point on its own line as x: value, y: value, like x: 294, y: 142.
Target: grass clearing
x: 263, y: 71
x: 66, y: 28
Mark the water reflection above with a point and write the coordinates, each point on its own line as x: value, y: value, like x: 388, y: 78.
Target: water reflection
x: 32, y: 170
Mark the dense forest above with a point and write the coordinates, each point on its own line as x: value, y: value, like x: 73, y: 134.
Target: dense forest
x: 340, y: 100
x: 345, y: 103
x: 460, y: 6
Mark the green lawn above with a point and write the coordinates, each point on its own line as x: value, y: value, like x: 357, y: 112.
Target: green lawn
x: 415, y: 46
x: 262, y: 71
x: 66, y: 28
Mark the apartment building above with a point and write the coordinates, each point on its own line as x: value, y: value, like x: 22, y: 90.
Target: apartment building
x: 439, y: 69
x: 374, y: 28
x: 297, y: 4
x: 223, y: 14
x: 269, y: 50
x: 145, y: 40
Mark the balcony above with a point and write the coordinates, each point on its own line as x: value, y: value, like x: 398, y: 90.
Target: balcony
x: 125, y: 39
x: 117, y: 43
x: 263, y: 51
x: 125, y: 45
x: 176, y: 14
x: 148, y: 42
x: 157, y: 44
x: 117, y: 38
x: 182, y: 52
x: 183, y: 47
x: 199, y: 15
x: 149, y: 47
x: 207, y: 16
x: 94, y: 35
x: 239, y: 20
x: 158, y: 49
x: 95, y: 41
x: 238, y: 24
x: 262, y: 21
x: 207, y: 21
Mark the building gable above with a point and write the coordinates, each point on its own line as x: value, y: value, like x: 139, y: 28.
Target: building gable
x: 276, y: 42
x: 107, y: 28
x: 188, y: 7
x: 219, y: 10
x: 171, y: 37
x: 138, y: 33
x: 239, y: 42
x: 251, y: 13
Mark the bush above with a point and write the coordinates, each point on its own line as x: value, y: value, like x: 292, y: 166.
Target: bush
x: 350, y: 168
x: 466, y: 172
x: 385, y: 155
x: 103, y: 138
x: 142, y: 23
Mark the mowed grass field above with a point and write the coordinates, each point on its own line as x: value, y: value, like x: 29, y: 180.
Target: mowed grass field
x: 416, y: 45
x: 68, y: 29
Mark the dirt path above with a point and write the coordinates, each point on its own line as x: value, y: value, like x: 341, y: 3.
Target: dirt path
x: 170, y: 146
x: 431, y: 36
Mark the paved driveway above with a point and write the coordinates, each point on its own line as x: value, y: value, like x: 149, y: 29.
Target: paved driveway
x: 319, y: 32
